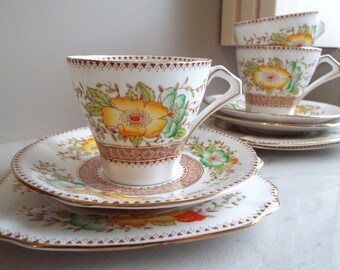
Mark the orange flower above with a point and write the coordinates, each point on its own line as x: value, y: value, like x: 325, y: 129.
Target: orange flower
x: 134, y: 117
x: 189, y: 216
x: 270, y: 77
x: 299, y: 40
x: 90, y: 145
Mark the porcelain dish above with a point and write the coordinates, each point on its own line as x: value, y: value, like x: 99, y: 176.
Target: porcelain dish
x: 307, y: 112
x: 68, y: 167
x: 277, y: 128
x: 28, y: 220
x: 304, y: 141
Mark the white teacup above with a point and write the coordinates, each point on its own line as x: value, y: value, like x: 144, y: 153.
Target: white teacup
x: 142, y: 109
x: 276, y: 78
x: 296, y: 29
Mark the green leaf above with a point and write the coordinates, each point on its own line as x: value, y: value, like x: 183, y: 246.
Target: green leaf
x: 197, y: 149
x: 219, y: 170
x: 166, y: 223
x: 147, y: 93
x: 136, y: 141
x: 306, y: 29
x: 211, y: 147
x: 131, y: 94
x: 247, y: 72
x: 278, y: 62
x: 291, y: 66
x: 92, y: 109
x: 63, y: 214
x: 252, y: 65
x: 180, y: 134
x: 114, y: 137
x: 280, y: 37
x: 99, y: 97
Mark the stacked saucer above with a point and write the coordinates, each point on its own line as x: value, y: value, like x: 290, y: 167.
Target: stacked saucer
x: 75, y: 207
x: 276, y: 60
x: 314, y: 125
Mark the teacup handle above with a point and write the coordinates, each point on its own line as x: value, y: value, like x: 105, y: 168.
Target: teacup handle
x: 331, y: 75
x: 321, y: 29
x: 235, y: 88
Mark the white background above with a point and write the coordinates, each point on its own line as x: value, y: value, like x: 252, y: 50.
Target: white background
x: 36, y: 36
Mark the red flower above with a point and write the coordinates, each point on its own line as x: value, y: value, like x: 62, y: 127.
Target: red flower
x: 189, y: 216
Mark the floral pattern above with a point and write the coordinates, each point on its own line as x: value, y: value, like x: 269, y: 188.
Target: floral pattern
x: 125, y: 220
x: 302, y: 36
x: 77, y: 148
x: 216, y: 156
x: 274, y: 75
x: 139, y: 115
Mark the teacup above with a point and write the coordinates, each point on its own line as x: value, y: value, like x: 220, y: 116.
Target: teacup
x: 142, y: 110
x: 297, y: 30
x: 276, y: 78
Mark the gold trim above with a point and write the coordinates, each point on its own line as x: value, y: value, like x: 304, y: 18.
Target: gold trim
x: 331, y: 124
x: 227, y: 109
x: 331, y: 143
x: 275, y: 206
x: 23, y: 179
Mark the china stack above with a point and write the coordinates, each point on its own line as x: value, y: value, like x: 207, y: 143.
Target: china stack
x: 276, y: 60
x: 145, y: 172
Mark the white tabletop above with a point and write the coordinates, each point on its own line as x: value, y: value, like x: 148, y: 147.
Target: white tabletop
x: 303, y: 234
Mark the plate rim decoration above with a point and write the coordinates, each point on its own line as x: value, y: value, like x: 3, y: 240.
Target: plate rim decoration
x: 126, y: 202
x: 20, y: 229
x: 279, y: 128
x: 267, y: 117
x: 304, y: 144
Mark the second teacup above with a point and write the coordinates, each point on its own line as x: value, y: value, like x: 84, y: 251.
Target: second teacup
x: 276, y: 78
x: 296, y: 30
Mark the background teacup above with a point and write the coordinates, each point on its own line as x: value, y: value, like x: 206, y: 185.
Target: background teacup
x: 142, y: 109
x: 297, y: 30
x: 276, y: 78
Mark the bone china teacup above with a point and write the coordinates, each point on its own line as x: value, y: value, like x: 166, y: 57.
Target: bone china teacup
x: 142, y: 109
x: 276, y: 78
x: 295, y: 29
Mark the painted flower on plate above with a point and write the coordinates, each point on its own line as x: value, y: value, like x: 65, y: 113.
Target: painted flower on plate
x: 270, y: 77
x: 65, y: 184
x: 176, y: 111
x: 90, y: 145
x: 189, y: 216
x: 214, y: 158
x: 135, y: 117
x: 88, y: 222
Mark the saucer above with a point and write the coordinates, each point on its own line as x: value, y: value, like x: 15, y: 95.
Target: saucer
x: 304, y: 141
x: 67, y: 167
x: 277, y: 128
x: 307, y: 112
x: 26, y: 219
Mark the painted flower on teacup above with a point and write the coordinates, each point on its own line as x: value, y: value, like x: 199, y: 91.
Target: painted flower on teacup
x: 134, y: 117
x: 302, y: 36
x: 139, y: 115
x: 276, y: 74
x: 298, y: 40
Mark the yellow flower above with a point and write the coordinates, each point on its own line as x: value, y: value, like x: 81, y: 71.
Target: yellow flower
x: 134, y: 117
x: 90, y: 145
x: 270, y: 77
x: 299, y: 40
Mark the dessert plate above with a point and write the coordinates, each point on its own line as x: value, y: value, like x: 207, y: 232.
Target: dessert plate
x: 307, y: 112
x: 67, y: 167
x: 28, y: 220
x: 304, y: 141
x: 277, y: 128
